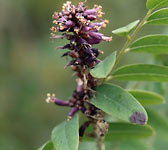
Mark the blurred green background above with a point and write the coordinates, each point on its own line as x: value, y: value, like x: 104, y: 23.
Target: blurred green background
x: 31, y: 66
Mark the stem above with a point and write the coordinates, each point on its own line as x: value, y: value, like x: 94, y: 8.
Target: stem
x: 100, y: 143
x: 99, y: 139
x: 100, y: 128
x: 130, y: 38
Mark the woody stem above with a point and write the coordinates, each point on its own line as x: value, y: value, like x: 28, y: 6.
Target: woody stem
x: 99, y: 139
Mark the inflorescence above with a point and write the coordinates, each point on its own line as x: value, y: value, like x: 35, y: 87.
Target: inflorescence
x: 80, y: 26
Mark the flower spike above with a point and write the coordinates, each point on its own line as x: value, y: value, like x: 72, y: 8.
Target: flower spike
x: 80, y: 26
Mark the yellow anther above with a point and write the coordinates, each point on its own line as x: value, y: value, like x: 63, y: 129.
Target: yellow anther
x: 61, y: 27
x: 48, y: 94
x: 53, y: 94
x: 77, y: 31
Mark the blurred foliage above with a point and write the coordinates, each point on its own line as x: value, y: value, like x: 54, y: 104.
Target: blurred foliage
x: 31, y: 66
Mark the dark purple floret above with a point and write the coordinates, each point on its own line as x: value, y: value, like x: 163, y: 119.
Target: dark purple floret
x: 59, y: 102
x: 65, y: 54
x: 72, y: 112
x: 83, y: 128
x: 69, y: 23
x: 83, y: 109
x: 138, y: 118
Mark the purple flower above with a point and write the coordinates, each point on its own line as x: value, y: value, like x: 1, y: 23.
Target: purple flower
x: 53, y: 99
x: 72, y: 112
x: 90, y: 12
x: 83, y: 128
x: 69, y: 23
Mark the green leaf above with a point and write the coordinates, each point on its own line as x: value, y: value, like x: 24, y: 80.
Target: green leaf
x: 65, y: 136
x: 117, y: 102
x: 124, y: 31
x: 128, y: 144
x: 153, y: 4
x: 47, y: 146
x: 123, y: 131
x: 147, y: 98
x: 103, y: 69
x: 156, y: 44
x: 159, y: 122
x: 88, y: 145
x: 142, y: 72
x: 135, y: 144
x: 159, y: 17
x: 158, y: 88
